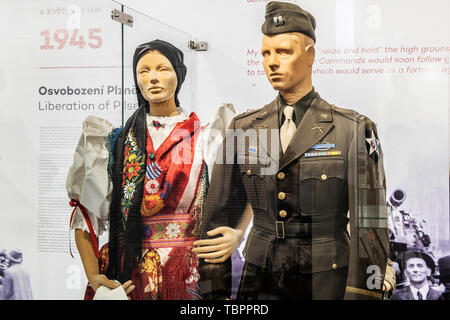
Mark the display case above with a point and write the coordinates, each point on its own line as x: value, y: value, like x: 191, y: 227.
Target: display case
x: 68, y: 60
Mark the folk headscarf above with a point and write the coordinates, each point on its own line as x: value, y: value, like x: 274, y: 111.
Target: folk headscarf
x: 128, y: 172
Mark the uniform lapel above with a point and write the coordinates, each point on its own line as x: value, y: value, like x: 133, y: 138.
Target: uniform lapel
x: 266, y: 119
x: 433, y: 294
x: 315, y: 125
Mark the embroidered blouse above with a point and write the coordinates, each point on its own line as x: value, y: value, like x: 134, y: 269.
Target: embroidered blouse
x: 88, y: 181
x: 175, y: 185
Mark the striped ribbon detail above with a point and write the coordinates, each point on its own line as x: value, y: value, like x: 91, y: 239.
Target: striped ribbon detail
x: 155, y: 244
x: 322, y: 154
x: 153, y: 170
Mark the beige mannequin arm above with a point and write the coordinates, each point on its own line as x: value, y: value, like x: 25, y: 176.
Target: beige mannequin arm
x: 90, y: 264
x: 218, y: 250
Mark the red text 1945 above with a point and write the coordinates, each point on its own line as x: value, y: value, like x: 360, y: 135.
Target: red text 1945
x: 61, y: 37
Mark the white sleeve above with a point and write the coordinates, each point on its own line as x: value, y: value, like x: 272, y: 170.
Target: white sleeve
x: 88, y: 180
x: 214, y: 133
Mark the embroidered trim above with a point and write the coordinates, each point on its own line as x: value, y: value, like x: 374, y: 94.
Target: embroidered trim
x: 167, y: 230
x: 158, y: 124
x: 110, y: 145
x: 155, y: 244
x: 151, y: 204
x: 133, y: 172
x: 153, y: 170
x: 152, y: 186
x: 200, y: 196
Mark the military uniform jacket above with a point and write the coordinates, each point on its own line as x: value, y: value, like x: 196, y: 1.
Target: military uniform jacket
x: 330, y: 174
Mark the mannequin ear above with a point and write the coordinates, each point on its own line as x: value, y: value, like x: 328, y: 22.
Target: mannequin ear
x: 311, y: 52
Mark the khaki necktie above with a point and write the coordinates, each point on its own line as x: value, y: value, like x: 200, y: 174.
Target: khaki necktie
x: 288, y: 128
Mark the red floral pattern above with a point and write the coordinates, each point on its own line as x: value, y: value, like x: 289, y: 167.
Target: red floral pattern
x: 131, y: 170
x: 151, y: 204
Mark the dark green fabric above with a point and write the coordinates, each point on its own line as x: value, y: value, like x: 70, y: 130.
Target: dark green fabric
x: 300, y: 107
x: 282, y: 17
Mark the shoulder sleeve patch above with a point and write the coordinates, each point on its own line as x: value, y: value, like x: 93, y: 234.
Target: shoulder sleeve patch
x: 372, y: 144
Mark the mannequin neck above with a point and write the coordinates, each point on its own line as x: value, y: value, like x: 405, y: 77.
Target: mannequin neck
x: 294, y: 94
x: 164, y: 108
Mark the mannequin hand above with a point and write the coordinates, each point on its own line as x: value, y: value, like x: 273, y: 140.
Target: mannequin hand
x: 100, y: 279
x: 128, y: 287
x: 219, y: 249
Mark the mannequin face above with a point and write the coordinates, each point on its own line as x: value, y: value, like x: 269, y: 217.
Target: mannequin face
x: 417, y: 270
x: 287, y: 60
x: 156, y: 77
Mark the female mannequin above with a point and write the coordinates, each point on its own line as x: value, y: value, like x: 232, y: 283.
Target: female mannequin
x: 156, y: 183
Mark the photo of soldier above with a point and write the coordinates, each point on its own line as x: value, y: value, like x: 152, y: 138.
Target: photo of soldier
x: 418, y: 270
x: 15, y: 282
x: 407, y: 233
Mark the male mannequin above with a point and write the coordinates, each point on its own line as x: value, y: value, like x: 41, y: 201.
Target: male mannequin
x: 329, y: 163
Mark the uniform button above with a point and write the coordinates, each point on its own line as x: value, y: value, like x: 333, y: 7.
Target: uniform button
x: 249, y: 172
x: 334, y: 266
x: 324, y: 177
x: 281, y: 176
x: 281, y: 195
x: 283, y: 214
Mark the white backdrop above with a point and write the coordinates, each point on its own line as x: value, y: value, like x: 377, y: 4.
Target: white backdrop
x: 387, y: 59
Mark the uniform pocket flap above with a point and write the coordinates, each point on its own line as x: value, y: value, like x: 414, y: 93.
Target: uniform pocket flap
x: 324, y: 256
x: 256, y: 250
x: 253, y: 171
x: 322, y: 169
x: 253, y: 158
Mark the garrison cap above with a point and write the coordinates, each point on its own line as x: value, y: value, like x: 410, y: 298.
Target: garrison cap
x: 283, y: 17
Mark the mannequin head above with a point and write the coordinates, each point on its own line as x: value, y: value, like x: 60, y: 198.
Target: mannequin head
x: 288, y: 49
x: 156, y: 78
x: 159, y: 73
x: 287, y: 60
